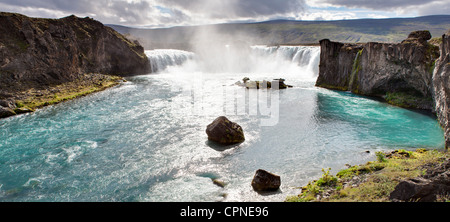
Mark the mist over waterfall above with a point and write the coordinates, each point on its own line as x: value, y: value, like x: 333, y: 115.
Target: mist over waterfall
x: 299, y: 61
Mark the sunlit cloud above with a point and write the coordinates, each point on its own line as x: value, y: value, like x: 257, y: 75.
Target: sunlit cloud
x: 167, y: 13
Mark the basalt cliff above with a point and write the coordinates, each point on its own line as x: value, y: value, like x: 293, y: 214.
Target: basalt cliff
x: 37, y: 54
x: 441, y: 86
x: 410, y: 74
x: 41, y: 56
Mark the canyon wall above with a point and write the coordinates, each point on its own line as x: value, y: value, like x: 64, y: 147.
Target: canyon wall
x: 441, y: 86
x: 401, y: 73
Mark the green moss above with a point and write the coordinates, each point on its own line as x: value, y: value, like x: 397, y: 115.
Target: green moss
x: 406, y: 99
x: 380, y: 177
x: 327, y: 86
x: 355, y: 71
x: 63, y: 92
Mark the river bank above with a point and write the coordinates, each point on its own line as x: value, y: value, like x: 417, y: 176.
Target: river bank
x: 382, y: 180
x: 25, y: 101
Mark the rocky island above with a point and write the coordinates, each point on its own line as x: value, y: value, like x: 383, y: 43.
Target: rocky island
x: 45, y: 61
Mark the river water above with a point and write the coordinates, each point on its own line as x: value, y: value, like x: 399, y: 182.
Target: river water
x: 145, y: 139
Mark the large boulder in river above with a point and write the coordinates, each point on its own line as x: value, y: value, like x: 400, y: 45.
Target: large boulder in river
x: 265, y: 181
x: 223, y: 131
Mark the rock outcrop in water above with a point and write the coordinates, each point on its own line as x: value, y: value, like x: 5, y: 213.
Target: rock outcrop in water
x: 401, y: 73
x: 247, y: 83
x: 223, y: 131
x: 40, y: 53
x: 265, y: 181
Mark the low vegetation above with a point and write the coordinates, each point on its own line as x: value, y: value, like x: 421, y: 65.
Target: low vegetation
x: 407, y: 100
x: 33, y: 99
x: 373, y: 181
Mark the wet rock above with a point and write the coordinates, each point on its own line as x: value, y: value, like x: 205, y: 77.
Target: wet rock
x: 223, y: 131
x: 219, y: 183
x: 23, y: 110
x: 6, y: 112
x: 265, y: 181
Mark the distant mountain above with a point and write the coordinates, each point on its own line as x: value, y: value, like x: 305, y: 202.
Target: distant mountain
x: 278, y: 32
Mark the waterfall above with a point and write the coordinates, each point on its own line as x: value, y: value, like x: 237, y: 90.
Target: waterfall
x: 355, y: 69
x: 160, y: 59
x: 295, y: 60
x: 306, y: 57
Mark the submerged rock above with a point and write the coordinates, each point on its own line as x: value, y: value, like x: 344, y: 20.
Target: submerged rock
x: 223, y: 131
x: 265, y: 181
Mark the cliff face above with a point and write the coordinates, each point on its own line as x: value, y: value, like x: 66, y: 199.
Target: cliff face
x: 441, y: 86
x: 401, y: 73
x: 36, y: 53
x: 336, y: 64
x: 389, y: 70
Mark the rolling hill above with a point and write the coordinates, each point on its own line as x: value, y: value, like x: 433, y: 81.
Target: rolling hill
x: 278, y: 32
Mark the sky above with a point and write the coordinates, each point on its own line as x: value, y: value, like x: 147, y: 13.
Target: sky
x: 169, y: 13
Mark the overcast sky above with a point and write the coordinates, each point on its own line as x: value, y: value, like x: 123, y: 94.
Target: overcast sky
x: 167, y: 13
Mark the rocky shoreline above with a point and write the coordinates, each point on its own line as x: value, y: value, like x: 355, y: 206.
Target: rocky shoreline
x: 396, y: 176
x: 30, y: 100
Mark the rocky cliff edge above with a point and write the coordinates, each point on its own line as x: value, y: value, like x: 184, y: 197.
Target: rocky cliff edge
x: 407, y: 74
x: 38, y: 54
x: 441, y: 86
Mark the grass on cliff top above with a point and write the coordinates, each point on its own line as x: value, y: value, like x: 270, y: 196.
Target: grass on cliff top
x: 373, y: 181
x: 33, y: 99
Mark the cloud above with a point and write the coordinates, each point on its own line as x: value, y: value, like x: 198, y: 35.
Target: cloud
x: 420, y: 7
x: 377, y: 4
x: 158, y: 12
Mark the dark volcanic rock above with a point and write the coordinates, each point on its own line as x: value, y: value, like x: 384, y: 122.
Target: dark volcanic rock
x: 424, y: 189
x: 420, y: 36
x: 6, y: 112
x: 36, y: 53
x: 223, y: 131
x: 265, y: 181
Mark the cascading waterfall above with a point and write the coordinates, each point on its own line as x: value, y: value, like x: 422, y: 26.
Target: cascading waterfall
x: 160, y: 59
x: 304, y: 57
x: 293, y: 60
